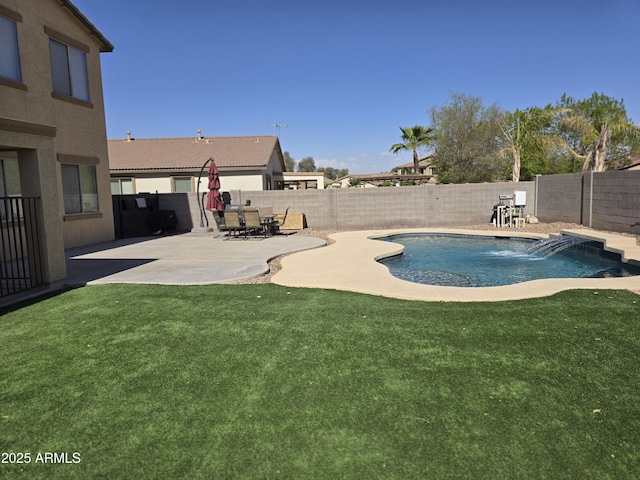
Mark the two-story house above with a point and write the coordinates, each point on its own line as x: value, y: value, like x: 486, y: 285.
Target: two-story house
x: 425, y: 165
x: 54, y: 169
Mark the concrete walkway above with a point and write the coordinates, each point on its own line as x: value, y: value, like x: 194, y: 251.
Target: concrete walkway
x: 350, y: 264
x: 185, y: 259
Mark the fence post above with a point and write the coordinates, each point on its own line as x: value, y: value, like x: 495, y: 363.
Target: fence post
x: 591, y: 199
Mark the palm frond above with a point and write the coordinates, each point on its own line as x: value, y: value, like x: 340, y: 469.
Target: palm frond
x: 398, y: 147
x: 414, y: 137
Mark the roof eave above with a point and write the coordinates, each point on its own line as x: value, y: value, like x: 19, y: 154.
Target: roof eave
x: 184, y: 169
x: 105, y: 45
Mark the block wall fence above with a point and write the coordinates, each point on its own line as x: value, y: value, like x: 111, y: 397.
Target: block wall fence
x: 605, y: 201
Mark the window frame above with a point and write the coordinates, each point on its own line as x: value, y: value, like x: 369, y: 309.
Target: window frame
x: 112, y: 180
x: 182, y: 177
x: 81, y: 190
x: 14, y: 18
x: 77, y: 84
x: 9, y: 184
x: 10, y: 171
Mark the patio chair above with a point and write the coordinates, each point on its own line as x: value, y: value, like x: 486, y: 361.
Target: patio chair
x: 218, y: 218
x: 233, y: 224
x: 252, y: 223
x: 279, y: 220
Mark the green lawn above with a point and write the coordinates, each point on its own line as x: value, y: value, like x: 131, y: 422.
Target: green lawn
x: 262, y: 381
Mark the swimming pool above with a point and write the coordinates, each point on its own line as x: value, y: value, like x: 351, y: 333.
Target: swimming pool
x: 481, y: 261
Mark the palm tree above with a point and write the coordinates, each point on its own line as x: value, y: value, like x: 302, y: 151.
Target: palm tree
x: 413, y: 138
x: 599, y: 124
x: 527, y: 131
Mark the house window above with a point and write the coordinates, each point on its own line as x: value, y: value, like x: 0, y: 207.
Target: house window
x: 9, y: 177
x: 121, y: 186
x: 182, y: 185
x: 79, y: 188
x: 69, y: 70
x: 9, y: 53
x: 9, y: 186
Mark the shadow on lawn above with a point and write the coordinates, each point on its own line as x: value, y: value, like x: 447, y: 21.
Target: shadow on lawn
x: 79, y: 273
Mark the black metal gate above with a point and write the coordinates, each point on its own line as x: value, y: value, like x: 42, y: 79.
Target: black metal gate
x: 20, y: 255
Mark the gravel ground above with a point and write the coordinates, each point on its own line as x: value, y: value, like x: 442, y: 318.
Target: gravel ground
x: 547, y: 228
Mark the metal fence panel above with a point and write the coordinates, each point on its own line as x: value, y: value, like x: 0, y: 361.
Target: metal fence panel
x: 20, y: 254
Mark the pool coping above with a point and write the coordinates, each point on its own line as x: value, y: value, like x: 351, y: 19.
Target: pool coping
x: 350, y: 264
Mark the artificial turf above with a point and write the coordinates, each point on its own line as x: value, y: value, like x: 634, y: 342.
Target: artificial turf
x: 263, y: 381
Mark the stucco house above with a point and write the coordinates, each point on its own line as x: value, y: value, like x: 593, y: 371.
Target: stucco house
x: 305, y: 180
x: 54, y: 165
x: 173, y: 165
x: 425, y: 166
x: 357, y: 181
x: 400, y: 175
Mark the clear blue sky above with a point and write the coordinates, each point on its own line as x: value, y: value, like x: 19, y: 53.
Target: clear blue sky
x: 343, y: 75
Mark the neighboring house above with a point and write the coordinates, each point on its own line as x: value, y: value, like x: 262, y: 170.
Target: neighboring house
x: 356, y: 181
x: 425, y: 168
x: 173, y: 165
x: 53, y: 145
x: 633, y: 164
x: 401, y: 175
x: 304, y: 180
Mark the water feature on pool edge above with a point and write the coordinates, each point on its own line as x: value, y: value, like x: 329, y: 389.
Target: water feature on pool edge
x: 482, y: 261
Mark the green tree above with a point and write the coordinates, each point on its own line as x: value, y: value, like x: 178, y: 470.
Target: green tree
x: 597, y: 130
x: 307, y: 164
x: 468, y: 140
x: 334, y: 173
x: 289, y: 162
x: 329, y: 172
x: 526, y: 134
x: 414, y: 138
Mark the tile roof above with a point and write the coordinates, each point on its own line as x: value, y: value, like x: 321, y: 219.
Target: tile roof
x: 229, y: 153
x: 423, y: 162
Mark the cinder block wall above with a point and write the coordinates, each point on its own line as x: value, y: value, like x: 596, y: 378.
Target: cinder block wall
x: 367, y: 208
x: 390, y: 207
x: 568, y: 198
x: 560, y: 198
x: 186, y: 207
x: 554, y: 198
x: 616, y: 200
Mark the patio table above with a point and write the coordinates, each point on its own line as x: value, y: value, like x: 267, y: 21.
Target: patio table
x: 268, y: 223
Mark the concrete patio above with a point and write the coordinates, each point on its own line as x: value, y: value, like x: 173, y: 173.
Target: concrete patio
x: 186, y: 259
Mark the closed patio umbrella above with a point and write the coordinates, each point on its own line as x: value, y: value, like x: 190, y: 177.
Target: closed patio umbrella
x: 214, y: 199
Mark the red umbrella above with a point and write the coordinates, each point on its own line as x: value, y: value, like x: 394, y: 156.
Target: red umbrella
x: 214, y: 199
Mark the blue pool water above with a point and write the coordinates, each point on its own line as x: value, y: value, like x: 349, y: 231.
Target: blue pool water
x: 478, y: 261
